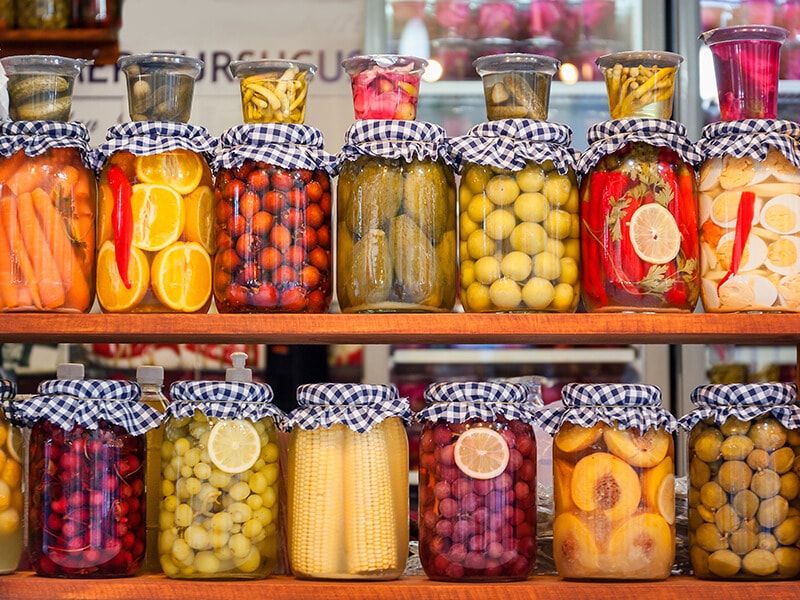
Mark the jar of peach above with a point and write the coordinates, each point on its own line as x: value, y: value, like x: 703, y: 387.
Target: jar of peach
x: 613, y: 482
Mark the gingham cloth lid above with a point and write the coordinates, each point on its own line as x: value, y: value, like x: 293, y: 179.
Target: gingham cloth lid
x: 460, y: 401
x: 745, y: 401
x: 37, y: 137
x: 359, y: 406
x: 751, y: 137
x: 511, y: 143
x: 284, y: 145
x: 143, y: 138
x: 86, y: 402
x: 223, y: 400
x: 8, y: 389
x: 395, y: 139
x: 629, y: 405
x: 609, y: 136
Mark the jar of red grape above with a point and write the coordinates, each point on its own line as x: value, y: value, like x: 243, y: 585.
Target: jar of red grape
x: 86, y: 477
x: 744, y: 489
x: 639, y: 240
x: 12, y: 459
x: 519, y: 217
x: 219, y: 507
x: 477, y: 482
x: 347, y: 482
x: 396, y: 219
x: 273, y: 220
x: 613, y: 482
x: 749, y: 187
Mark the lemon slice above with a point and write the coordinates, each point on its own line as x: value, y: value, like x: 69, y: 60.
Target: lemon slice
x: 15, y: 444
x: 181, y: 276
x: 654, y: 234
x: 111, y: 292
x: 158, y: 216
x: 234, y: 445
x: 182, y: 170
x: 481, y: 453
x: 200, y: 218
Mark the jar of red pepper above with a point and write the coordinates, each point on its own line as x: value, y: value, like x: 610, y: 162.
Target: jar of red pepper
x: 273, y: 220
x: 86, y: 477
x: 638, y: 194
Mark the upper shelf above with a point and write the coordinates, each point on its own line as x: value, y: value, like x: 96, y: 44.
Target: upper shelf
x: 399, y: 328
x: 101, y: 45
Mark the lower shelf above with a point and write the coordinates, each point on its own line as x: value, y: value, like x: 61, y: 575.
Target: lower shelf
x: 31, y: 587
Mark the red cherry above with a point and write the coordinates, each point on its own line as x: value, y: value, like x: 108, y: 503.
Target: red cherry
x: 282, y: 180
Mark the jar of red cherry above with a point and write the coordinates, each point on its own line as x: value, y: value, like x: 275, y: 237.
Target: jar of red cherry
x: 477, y: 482
x: 86, y: 477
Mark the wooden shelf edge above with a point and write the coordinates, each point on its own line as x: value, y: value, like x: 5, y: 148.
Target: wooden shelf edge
x: 101, y: 45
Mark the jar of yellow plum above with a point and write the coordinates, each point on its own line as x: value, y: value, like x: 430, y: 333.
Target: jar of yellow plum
x: 749, y: 201
x: 744, y: 488
x: 613, y: 482
x: 12, y: 463
x: 519, y: 217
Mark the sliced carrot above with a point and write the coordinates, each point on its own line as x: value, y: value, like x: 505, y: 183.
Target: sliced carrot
x: 9, y: 221
x: 51, y: 288
x: 8, y: 292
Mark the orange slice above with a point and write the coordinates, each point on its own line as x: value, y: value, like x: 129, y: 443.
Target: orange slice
x: 181, y: 276
x: 654, y: 234
x: 158, y: 216
x: 481, y: 453
x: 182, y: 170
x: 199, y: 225
x: 111, y: 292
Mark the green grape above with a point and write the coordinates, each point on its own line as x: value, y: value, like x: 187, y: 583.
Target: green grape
x: 264, y: 516
x: 222, y: 522
x: 192, y: 486
x: 202, y: 470
x: 167, y: 450
x: 219, y: 479
x: 169, y: 503
x: 167, y: 487
x: 239, y: 491
x: 191, y: 458
x: 169, y: 473
x: 224, y: 553
x: 182, y: 446
x: 182, y: 552
x: 200, y: 417
x: 219, y: 539
x: 240, y: 512
x: 270, y: 472
x: 186, y: 471
x: 206, y: 562
x: 196, y: 429
x: 269, y: 496
x: 254, y: 501
x: 252, y: 528
x: 251, y: 562
x: 170, y: 568
x: 183, y: 515
x: 165, y: 520
x: 197, y: 537
x: 239, y: 545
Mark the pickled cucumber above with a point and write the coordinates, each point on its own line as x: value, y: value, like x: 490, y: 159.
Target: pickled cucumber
x: 426, y: 196
x: 375, y: 197
x: 414, y: 260
x: 371, y: 278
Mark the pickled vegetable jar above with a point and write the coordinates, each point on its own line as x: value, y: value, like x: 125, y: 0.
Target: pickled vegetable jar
x: 385, y: 86
x: 519, y: 217
x: 744, y: 444
x: 219, y: 465
x: 12, y: 458
x: 43, y: 14
x: 613, y: 482
x: 86, y: 504
x: 639, y: 240
x: 396, y: 221
x: 347, y: 478
x: 477, y: 482
x: 48, y: 200
x: 750, y: 216
x: 273, y: 220
x: 160, y: 85
x: 156, y: 239
x: 273, y: 91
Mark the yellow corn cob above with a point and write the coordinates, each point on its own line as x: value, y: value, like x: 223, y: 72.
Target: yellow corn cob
x: 316, y: 501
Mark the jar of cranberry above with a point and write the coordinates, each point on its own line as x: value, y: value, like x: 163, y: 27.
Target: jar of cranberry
x: 86, y: 477
x: 477, y: 482
x: 272, y: 201
x: 12, y: 458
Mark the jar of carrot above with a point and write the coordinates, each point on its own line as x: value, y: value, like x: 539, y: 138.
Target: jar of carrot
x: 48, y: 199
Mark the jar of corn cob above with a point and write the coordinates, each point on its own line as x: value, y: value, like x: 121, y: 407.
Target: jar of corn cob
x: 347, y: 482
x: 477, y: 482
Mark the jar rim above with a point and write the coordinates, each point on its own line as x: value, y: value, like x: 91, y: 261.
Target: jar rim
x: 743, y: 33
x: 262, y: 66
x: 160, y: 60
x: 516, y: 61
x: 44, y: 63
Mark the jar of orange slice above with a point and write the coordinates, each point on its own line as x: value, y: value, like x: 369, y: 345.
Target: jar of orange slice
x: 155, y: 235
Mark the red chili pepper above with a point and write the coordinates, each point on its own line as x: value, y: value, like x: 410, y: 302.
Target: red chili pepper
x: 632, y: 269
x: 121, y: 220
x: 592, y: 246
x: 744, y: 221
x: 614, y: 230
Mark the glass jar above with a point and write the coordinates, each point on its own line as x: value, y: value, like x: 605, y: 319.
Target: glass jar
x: 477, y: 482
x: 385, y: 86
x: 347, y: 482
x: 749, y: 221
x: 7, y: 14
x: 219, y: 465
x: 273, y: 220
x: 86, y: 509
x: 99, y: 13
x: 155, y: 238
x: 613, y: 482
x: 639, y: 240
x: 43, y: 14
x: 744, y: 444
x: 48, y: 199
x: 273, y: 91
x: 396, y: 222
x: 12, y: 458
x: 519, y: 218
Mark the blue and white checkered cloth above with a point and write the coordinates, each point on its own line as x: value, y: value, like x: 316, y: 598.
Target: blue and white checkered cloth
x: 511, y: 144
x: 223, y: 400
x: 358, y: 406
x: 460, y: 401
x: 86, y: 402
x: 624, y: 405
x: 37, y: 137
x: 751, y: 137
x: 610, y: 136
x: 143, y: 138
x: 8, y: 389
x: 283, y: 145
x: 745, y: 401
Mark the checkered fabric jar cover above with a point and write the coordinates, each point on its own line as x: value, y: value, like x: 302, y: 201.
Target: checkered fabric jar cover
x: 460, y: 401
x: 745, y: 401
x: 223, y: 400
x: 37, y: 137
x: 751, y: 137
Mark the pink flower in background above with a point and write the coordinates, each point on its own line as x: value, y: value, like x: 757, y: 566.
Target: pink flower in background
x: 545, y: 15
x: 497, y: 19
x: 453, y: 14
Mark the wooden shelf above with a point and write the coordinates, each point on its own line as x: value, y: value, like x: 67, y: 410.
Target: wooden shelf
x: 99, y: 44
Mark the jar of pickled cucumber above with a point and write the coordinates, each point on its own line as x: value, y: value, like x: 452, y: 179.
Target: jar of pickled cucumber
x: 43, y: 14
x: 613, y: 482
x: 12, y: 459
x: 638, y: 196
x: 155, y: 225
x: 519, y: 217
x: 86, y: 507
x: 744, y: 489
x: 749, y: 222
x: 396, y: 221
x: 477, y: 482
x: 347, y: 482
x: 218, y: 516
x: 273, y: 220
